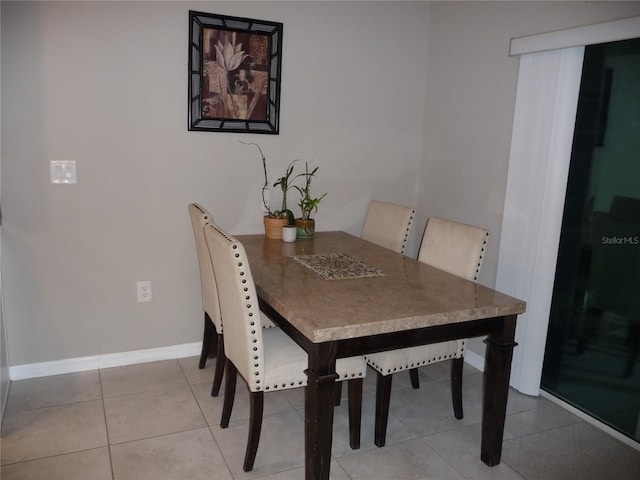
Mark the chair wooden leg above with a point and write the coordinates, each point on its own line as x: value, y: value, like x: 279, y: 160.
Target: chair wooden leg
x: 415, y: 380
x: 220, y: 364
x: 213, y: 342
x: 255, y: 427
x: 456, y: 386
x: 229, y: 394
x: 207, y: 339
x: 338, y: 394
x: 355, y: 411
x: 383, y: 398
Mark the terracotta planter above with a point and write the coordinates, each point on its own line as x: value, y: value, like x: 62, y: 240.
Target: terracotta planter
x: 273, y: 227
x: 306, y: 228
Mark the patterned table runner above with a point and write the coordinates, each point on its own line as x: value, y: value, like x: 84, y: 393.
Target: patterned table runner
x: 337, y: 266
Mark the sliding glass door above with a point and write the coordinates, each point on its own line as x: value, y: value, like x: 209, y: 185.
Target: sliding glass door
x: 591, y: 358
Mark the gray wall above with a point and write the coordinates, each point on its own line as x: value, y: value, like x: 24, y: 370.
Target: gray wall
x: 4, y: 361
x: 408, y: 102
x: 4, y: 356
x: 105, y: 84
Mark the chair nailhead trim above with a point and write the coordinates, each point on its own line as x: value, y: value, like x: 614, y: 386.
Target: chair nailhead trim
x: 413, y: 365
x: 406, y: 233
x: 479, y: 264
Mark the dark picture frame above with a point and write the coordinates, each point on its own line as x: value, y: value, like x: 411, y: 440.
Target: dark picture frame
x: 234, y: 74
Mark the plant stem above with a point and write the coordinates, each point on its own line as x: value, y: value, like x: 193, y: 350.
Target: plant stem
x: 264, y: 168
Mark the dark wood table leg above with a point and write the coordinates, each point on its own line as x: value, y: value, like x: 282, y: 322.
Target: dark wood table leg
x: 318, y: 410
x: 498, y: 357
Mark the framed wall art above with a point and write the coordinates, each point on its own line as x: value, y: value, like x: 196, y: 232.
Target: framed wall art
x: 234, y: 74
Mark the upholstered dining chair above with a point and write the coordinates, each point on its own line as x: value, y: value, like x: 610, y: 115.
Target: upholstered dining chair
x: 199, y: 218
x: 388, y: 225
x: 456, y: 248
x: 267, y: 359
x: 212, y: 336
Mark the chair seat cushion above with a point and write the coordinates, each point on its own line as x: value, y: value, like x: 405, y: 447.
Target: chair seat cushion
x: 285, y: 363
x: 393, y: 361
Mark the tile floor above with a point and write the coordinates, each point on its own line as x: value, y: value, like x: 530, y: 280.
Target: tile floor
x: 157, y: 421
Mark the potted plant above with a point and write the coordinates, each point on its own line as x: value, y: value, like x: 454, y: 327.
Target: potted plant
x: 274, y: 220
x: 285, y: 184
x: 305, y: 224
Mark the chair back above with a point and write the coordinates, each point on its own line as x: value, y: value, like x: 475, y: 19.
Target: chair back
x: 388, y: 225
x: 454, y: 247
x: 243, y: 343
x: 199, y: 218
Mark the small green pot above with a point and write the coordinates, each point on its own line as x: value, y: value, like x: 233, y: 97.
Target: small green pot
x: 305, y: 228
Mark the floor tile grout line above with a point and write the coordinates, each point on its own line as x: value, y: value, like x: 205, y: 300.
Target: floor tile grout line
x: 129, y: 394
x: 224, y: 458
x: 206, y: 423
x: 150, y: 389
x: 337, y: 460
x: 10, y: 410
x: 64, y: 404
x: 208, y: 426
x: 159, y: 435
x: 47, y: 457
x: 106, y: 425
x: 424, y: 438
x: 195, y: 398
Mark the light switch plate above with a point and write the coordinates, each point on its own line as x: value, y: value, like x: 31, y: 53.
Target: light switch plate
x: 63, y: 172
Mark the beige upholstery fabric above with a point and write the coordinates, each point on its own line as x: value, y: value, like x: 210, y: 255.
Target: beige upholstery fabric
x: 267, y: 359
x: 199, y: 218
x: 394, y: 361
x: 388, y: 225
x: 458, y: 249
x: 453, y: 247
x: 285, y: 362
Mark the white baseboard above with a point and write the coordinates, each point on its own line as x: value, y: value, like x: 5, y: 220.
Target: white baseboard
x: 93, y: 362
x: 82, y: 364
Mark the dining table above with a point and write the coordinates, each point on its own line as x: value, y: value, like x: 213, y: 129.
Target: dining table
x: 337, y: 295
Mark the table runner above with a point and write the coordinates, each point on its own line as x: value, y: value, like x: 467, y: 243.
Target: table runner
x: 337, y: 266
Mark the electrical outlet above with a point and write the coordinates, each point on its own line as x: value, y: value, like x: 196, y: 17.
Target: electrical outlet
x: 144, y: 291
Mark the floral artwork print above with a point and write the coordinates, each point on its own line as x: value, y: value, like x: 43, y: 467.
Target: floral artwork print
x: 235, y: 75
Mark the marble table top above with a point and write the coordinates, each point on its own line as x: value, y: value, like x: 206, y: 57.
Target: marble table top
x: 409, y: 295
